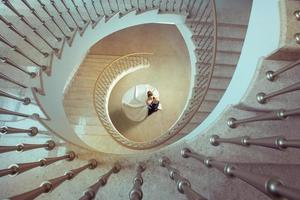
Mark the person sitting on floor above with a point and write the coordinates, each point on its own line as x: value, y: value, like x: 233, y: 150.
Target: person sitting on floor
x: 152, y: 102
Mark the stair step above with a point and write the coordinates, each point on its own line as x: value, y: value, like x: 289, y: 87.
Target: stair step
x: 215, y: 95
x: 219, y: 83
x: 199, y: 117
x: 90, y: 130
x: 79, y: 120
x: 224, y: 29
x: 207, y: 105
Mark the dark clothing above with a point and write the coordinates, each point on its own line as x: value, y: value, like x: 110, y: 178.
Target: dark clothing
x: 153, y: 107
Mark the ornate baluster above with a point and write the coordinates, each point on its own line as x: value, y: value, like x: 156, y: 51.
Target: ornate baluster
x: 71, y: 29
x: 49, y: 145
x: 52, y: 19
x: 174, y: 5
x: 136, y: 192
x: 93, y: 4
x: 40, y: 19
x: 271, y: 75
x: 51, y: 184
x: 76, y: 8
x: 297, y: 14
x: 87, y: 11
x: 276, y: 142
x: 183, y: 185
x: 32, y: 131
x: 14, y: 29
x: 4, y: 77
x: 25, y: 100
x: 271, y: 186
x: 19, y: 168
x: 92, y: 190
x: 274, y: 115
x: 126, y: 9
x: 70, y: 14
x: 16, y: 49
x: 262, y: 97
x: 11, y: 63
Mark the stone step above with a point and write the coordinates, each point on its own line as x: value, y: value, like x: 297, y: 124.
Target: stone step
x: 199, y: 117
x: 219, y: 83
x: 224, y: 57
x: 208, y: 105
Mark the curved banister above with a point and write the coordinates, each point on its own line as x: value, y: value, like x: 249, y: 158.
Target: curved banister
x: 209, y: 45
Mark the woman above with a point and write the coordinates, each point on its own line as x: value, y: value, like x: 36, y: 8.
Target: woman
x: 152, y: 102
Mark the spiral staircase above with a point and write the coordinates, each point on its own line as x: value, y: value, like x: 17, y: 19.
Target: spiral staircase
x: 239, y: 120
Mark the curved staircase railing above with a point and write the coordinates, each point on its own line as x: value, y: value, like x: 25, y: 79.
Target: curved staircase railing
x: 205, y: 30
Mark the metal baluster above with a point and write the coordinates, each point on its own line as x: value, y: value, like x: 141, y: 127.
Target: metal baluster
x: 297, y: 14
x: 51, y: 184
x: 11, y: 63
x: 92, y: 190
x: 16, y: 169
x: 183, y: 185
x: 16, y: 49
x: 110, y: 7
x: 25, y: 100
x: 297, y: 38
x: 71, y: 29
x: 9, y: 112
x: 167, y: 3
x: 49, y: 145
x: 40, y: 19
x: 93, y: 4
x: 275, y: 142
x: 52, y: 19
x: 153, y: 4
x: 87, y: 11
x: 271, y: 75
x: 76, y: 8
x: 101, y: 4
x: 190, y: 9
x: 202, y: 14
x: 14, y: 29
x: 118, y: 6
x: 131, y: 4
x: 136, y: 192
x: 4, y: 77
x: 24, y: 20
x: 271, y: 186
x: 274, y: 115
x: 181, y: 5
x: 174, y: 3
x: 138, y: 6
x: 126, y: 9
x: 70, y: 14
x: 262, y: 97
x: 32, y: 131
